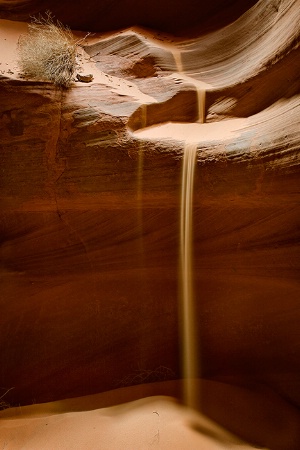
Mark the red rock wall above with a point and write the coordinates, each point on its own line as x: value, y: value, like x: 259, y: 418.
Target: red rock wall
x: 168, y: 16
x: 89, y: 275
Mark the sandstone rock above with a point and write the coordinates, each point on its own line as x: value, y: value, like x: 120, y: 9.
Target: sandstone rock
x: 90, y: 210
x: 168, y: 16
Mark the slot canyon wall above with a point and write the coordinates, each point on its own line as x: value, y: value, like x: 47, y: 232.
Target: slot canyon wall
x: 90, y: 203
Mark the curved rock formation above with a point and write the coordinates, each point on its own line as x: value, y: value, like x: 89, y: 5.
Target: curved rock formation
x: 90, y: 208
x: 172, y: 16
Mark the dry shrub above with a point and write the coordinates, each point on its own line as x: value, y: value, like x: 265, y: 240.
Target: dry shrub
x: 4, y: 404
x: 143, y: 376
x: 48, y: 51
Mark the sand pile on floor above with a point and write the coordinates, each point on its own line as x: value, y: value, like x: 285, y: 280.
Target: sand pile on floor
x: 154, y: 422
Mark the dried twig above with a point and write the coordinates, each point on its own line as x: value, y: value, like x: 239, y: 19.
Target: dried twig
x: 48, y: 51
x: 3, y: 404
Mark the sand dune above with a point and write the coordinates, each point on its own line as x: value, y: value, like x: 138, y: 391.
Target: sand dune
x: 154, y: 422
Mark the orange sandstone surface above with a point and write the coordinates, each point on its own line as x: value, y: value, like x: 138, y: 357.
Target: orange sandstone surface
x: 90, y: 219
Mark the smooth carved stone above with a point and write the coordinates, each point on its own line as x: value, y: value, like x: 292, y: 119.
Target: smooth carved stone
x: 173, y: 16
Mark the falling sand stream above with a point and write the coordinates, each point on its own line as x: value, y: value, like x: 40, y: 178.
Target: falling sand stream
x: 200, y: 86
x: 191, y: 134
x: 189, y: 347
x: 187, y: 315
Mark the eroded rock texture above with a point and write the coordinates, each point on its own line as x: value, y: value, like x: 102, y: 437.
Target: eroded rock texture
x: 90, y: 209
x: 170, y: 15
